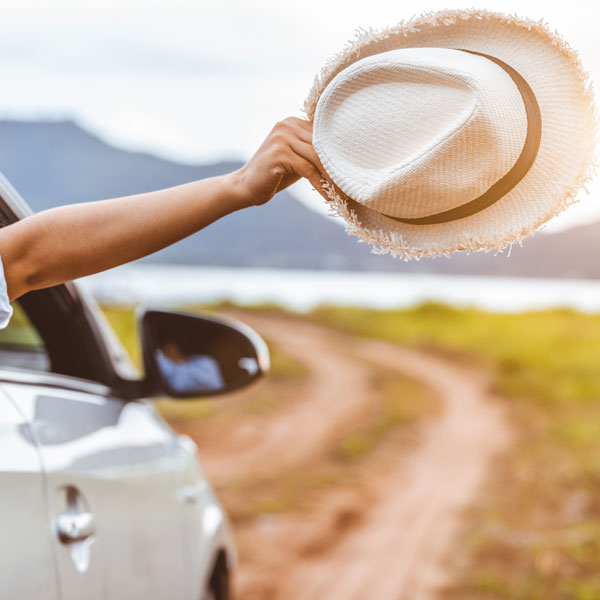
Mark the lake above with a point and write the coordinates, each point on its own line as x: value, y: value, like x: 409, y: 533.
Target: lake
x: 302, y: 290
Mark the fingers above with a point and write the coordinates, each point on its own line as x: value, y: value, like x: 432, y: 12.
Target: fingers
x: 299, y: 139
x: 304, y: 130
x: 302, y: 158
x: 301, y: 127
x: 306, y: 151
x: 305, y: 168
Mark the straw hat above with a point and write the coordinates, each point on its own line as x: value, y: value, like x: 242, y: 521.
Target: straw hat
x: 457, y: 130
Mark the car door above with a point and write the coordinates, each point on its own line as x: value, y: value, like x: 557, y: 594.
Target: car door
x: 111, y: 490
x: 27, y: 566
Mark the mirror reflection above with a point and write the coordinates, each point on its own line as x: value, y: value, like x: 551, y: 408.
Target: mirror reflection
x: 183, y: 372
x: 196, y: 355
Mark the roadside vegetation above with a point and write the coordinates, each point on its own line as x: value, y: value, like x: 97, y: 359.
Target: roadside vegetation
x: 536, y: 531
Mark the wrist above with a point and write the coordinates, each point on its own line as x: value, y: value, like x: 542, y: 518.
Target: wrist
x: 237, y: 189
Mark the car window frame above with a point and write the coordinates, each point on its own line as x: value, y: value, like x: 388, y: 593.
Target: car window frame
x: 71, y: 340
x: 87, y: 355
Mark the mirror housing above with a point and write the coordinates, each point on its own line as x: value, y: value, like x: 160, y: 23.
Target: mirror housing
x: 192, y: 356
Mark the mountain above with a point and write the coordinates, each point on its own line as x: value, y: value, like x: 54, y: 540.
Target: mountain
x: 56, y: 162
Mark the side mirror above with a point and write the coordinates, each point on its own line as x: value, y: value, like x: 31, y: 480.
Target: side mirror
x: 188, y: 356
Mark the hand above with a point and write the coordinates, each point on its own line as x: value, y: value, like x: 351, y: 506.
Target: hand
x: 285, y: 156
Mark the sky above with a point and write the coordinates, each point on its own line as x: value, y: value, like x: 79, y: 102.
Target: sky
x: 205, y: 80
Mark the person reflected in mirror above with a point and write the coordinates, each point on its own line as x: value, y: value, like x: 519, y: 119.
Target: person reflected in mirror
x: 188, y: 373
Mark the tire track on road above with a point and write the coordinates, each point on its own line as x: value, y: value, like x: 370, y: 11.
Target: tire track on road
x: 399, y: 550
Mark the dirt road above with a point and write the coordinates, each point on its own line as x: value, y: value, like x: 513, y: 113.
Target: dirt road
x: 334, y: 400
x: 408, y: 524
x: 401, y: 547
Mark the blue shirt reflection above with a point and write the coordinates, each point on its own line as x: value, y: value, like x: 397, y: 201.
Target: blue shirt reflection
x: 201, y: 373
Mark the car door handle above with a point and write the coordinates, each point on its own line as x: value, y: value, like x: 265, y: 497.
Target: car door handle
x: 73, y: 528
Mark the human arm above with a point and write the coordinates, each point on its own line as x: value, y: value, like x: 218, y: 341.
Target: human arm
x: 68, y: 242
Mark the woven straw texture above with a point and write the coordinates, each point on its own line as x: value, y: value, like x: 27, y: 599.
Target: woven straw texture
x: 413, y: 132
x: 346, y: 132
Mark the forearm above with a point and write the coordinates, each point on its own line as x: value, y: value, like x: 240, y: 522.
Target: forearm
x: 67, y: 242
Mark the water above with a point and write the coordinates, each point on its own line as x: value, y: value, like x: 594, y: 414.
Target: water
x: 302, y: 290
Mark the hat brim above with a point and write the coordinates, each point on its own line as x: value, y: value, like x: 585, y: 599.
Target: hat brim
x: 565, y: 159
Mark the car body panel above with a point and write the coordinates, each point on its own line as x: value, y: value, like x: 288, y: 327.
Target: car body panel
x: 205, y: 529
x: 27, y: 562
x: 159, y: 526
x: 118, y: 458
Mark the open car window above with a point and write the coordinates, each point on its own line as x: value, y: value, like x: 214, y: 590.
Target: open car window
x: 21, y: 345
x: 51, y: 331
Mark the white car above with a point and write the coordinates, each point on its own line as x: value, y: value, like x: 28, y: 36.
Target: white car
x: 99, y: 499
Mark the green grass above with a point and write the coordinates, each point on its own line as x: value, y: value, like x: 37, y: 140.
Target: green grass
x: 186, y: 410
x: 123, y: 320
x: 19, y: 333
x: 284, y: 367
x: 547, y: 356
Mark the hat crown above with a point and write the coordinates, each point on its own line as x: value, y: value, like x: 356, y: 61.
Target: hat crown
x: 417, y: 131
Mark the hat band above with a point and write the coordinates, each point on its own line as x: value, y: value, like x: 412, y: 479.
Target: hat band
x: 516, y: 173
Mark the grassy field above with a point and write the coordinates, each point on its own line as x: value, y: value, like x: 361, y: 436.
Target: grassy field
x: 536, y: 531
